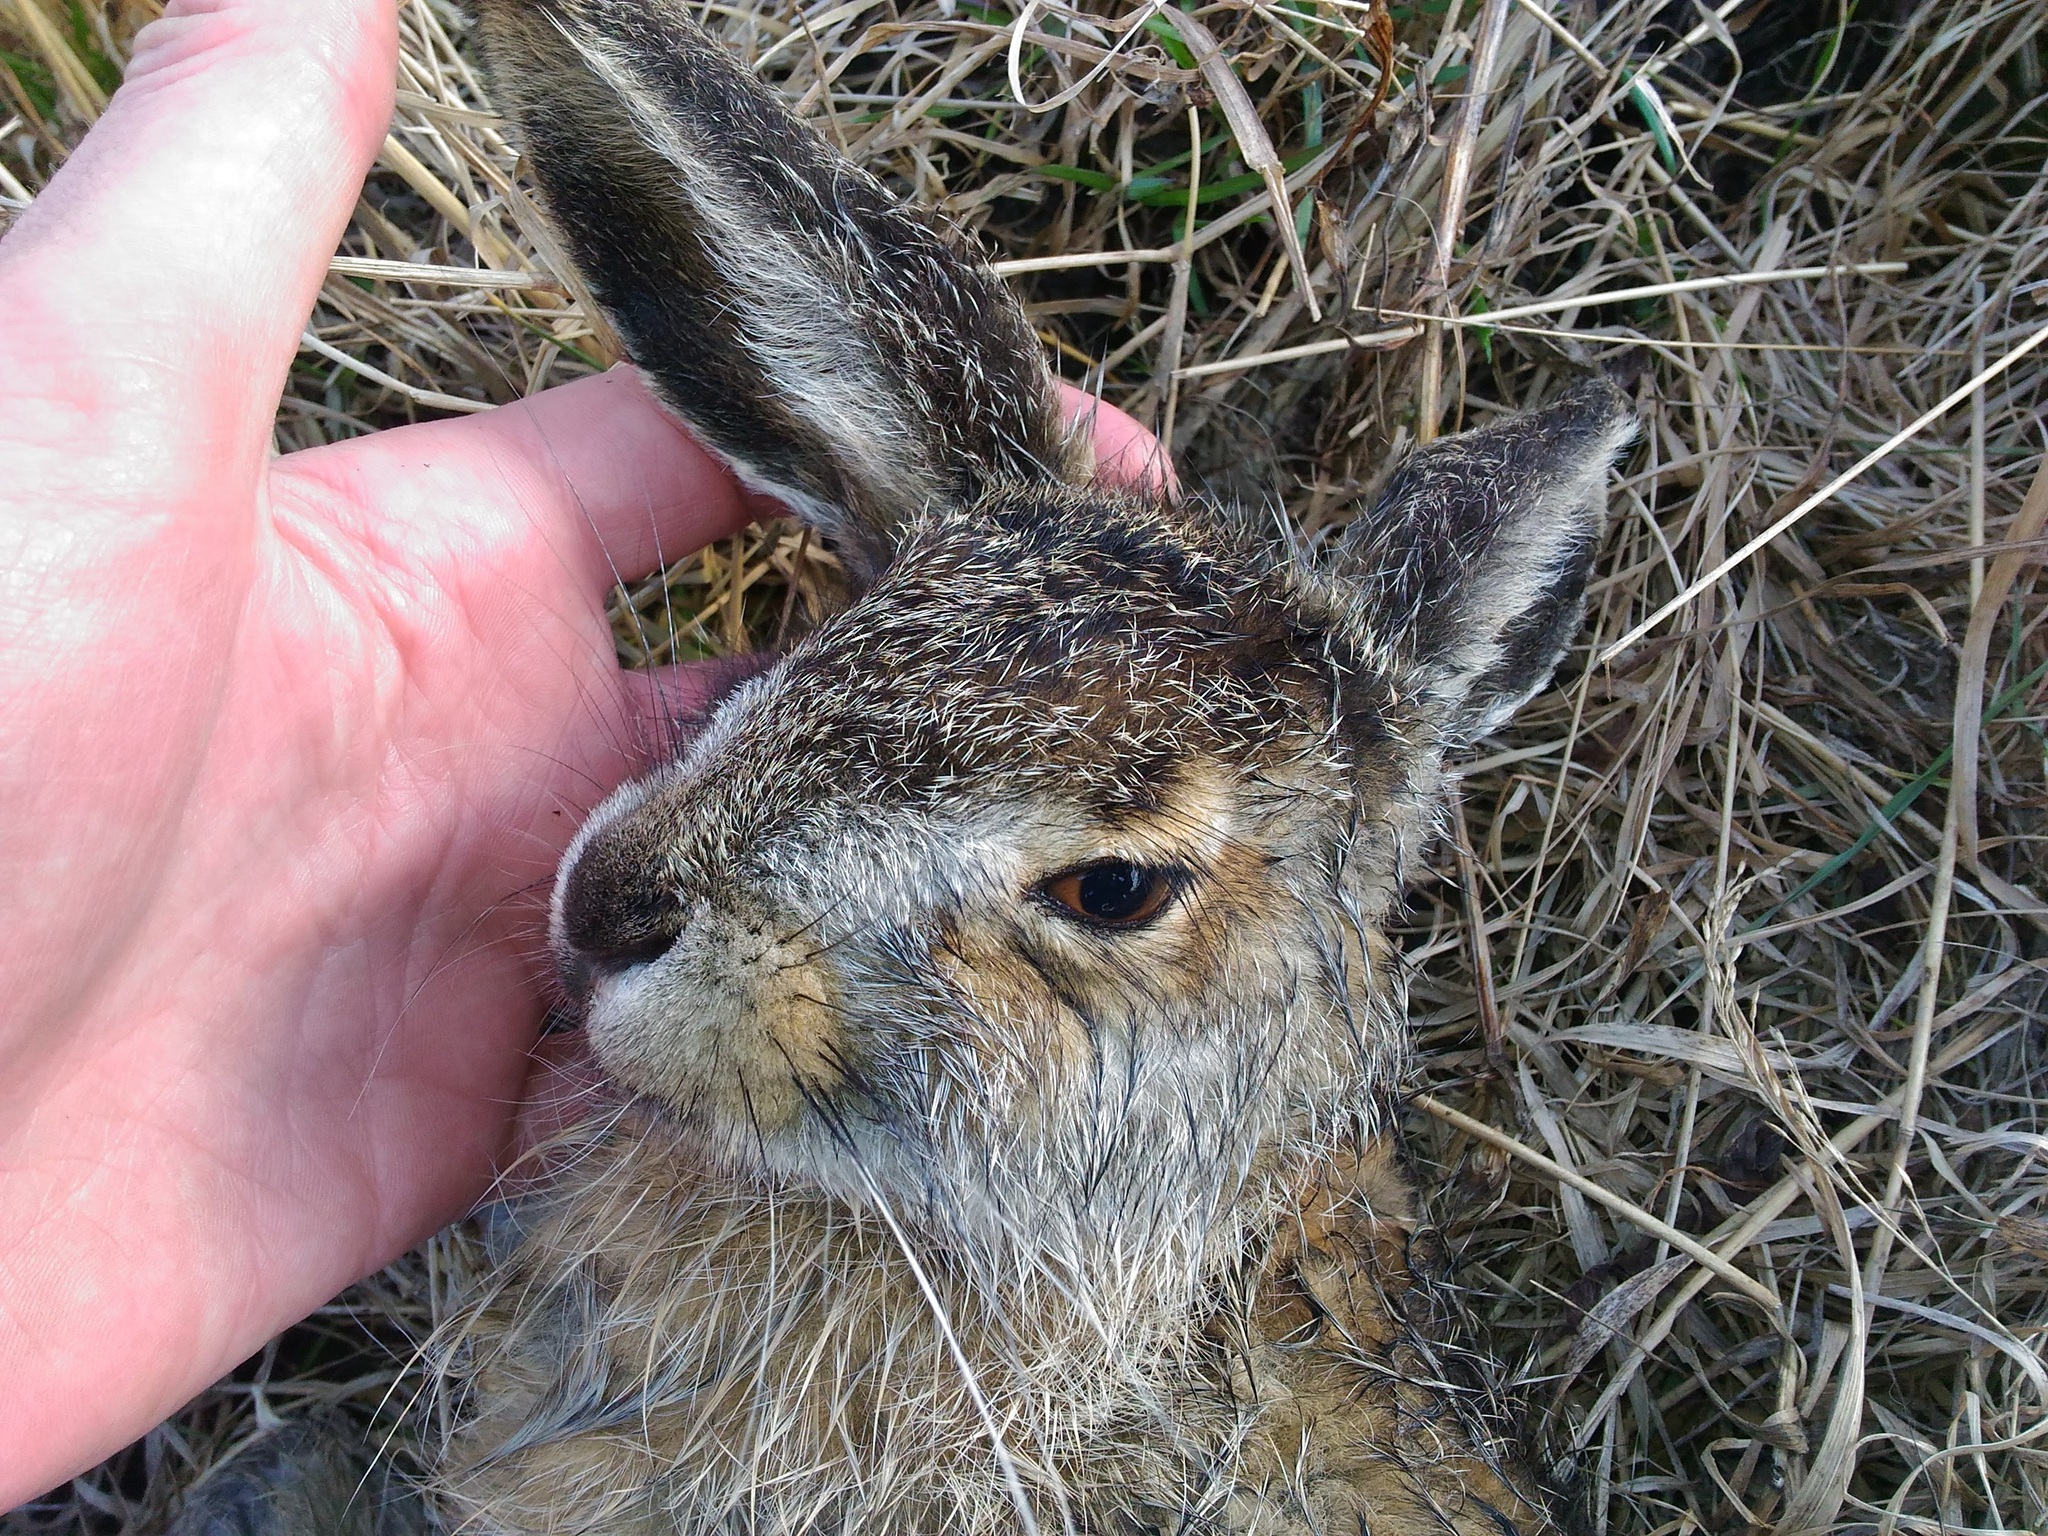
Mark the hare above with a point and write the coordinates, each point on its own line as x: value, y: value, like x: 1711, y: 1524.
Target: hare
x: 997, y: 985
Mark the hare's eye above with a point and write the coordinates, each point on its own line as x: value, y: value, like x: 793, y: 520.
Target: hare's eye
x: 1112, y: 893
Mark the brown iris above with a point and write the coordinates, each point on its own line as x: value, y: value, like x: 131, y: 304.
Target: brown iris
x: 1111, y: 893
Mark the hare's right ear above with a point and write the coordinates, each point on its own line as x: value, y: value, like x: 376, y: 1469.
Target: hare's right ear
x: 1469, y: 574
x: 831, y: 346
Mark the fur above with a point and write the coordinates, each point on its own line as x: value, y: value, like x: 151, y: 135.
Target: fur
x: 937, y: 1209
x: 676, y: 1350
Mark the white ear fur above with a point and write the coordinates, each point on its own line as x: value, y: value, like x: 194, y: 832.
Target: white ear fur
x: 1469, y: 574
x: 1535, y: 554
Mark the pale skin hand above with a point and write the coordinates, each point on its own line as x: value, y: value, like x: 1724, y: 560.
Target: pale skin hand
x: 288, y: 744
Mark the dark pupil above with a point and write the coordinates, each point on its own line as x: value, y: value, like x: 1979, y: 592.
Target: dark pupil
x: 1113, y: 892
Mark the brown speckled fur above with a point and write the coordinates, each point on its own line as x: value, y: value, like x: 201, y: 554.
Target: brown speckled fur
x: 1363, y: 1422
x: 1308, y: 1393
x: 936, y: 1206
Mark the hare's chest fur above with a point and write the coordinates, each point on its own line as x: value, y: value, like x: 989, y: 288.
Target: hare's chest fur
x: 666, y: 1354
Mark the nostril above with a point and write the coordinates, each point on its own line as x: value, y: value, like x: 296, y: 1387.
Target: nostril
x: 582, y: 969
x: 610, y: 961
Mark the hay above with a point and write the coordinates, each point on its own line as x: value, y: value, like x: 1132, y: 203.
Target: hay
x: 1714, y: 948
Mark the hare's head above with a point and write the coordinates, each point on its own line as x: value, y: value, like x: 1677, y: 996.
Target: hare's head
x: 1049, y: 873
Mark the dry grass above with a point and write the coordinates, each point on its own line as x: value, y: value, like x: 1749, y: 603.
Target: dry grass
x: 1717, y: 948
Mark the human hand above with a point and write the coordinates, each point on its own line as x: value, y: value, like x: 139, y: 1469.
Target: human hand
x: 290, y: 744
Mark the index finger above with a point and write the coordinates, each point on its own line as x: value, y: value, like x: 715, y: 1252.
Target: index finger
x: 616, y: 484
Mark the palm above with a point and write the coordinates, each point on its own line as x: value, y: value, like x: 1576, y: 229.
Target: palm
x: 291, y: 746
x: 344, y: 712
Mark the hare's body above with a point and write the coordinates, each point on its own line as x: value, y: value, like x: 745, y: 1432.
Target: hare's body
x: 673, y: 1351
x: 999, y: 978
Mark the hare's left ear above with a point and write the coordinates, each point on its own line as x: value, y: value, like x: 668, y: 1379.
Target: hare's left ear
x: 1469, y: 574
x: 834, y: 348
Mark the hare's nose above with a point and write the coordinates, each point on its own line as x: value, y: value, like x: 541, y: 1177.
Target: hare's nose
x: 614, y: 914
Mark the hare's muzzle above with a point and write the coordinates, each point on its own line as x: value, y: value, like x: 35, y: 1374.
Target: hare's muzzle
x: 706, y: 995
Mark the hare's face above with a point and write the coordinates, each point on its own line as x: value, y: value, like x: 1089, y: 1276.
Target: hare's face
x: 1039, y: 888
x: 1060, y: 847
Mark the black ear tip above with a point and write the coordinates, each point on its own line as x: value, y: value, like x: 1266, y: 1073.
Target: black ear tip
x: 1593, y: 400
x: 1590, y: 421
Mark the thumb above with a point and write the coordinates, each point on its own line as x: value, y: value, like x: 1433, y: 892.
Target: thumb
x: 155, y: 291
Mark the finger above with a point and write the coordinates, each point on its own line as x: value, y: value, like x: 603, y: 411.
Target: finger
x: 644, y: 491
x: 156, y: 290
x: 592, y: 481
x: 614, y: 484
x: 649, y: 493
x: 1125, y: 453
x: 671, y: 705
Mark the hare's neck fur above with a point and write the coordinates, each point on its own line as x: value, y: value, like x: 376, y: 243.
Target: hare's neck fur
x: 775, y: 1361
